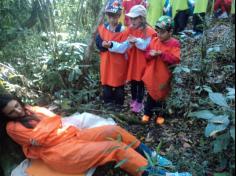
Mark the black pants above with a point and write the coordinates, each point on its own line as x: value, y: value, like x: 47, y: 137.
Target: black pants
x: 181, y: 21
x: 198, y: 22
x: 137, y: 91
x: 114, y: 94
x: 152, y: 106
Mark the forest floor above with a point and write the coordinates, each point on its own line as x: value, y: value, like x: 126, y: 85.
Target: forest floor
x: 183, y: 137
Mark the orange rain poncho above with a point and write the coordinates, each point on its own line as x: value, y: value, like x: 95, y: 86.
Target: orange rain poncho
x: 113, y: 67
x: 157, y: 75
x: 137, y: 61
x: 74, y: 151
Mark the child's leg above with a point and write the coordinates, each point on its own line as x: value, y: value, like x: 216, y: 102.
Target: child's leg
x: 107, y: 94
x: 149, y: 106
x: 159, y: 108
x: 198, y: 22
x: 134, y: 90
x: 119, y: 95
x: 140, y: 91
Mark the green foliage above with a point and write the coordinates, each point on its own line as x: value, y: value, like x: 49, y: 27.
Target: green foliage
x: 221, y: 123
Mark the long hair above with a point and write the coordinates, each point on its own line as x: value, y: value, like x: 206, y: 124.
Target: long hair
x: 144, y: 25
x: 4, y: 100
x: 7, y: 145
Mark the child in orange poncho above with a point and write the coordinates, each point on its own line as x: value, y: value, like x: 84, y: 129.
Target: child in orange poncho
x: 113, y: 66
x: 140, y: 36
x: 163, y: 51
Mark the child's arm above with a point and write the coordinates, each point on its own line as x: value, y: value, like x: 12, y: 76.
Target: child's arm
x: 151, y: 54
x: 120, y: 48
x: 172, y: 55
x: 99, y: 44
x: 142, y: 44
x: 171, y: 58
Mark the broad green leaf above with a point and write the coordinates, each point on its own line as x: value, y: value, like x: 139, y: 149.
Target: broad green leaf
x: 231, y: 91
x: 205, y: 114
x: 222, y: 119
x: 218, y: 99
x: 232, y: 132
x: 213, y: 129
x: 121, y: 163
x: 221, y: 143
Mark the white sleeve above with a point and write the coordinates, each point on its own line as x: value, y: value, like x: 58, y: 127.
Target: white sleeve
x: 120, y: 48
x: 142, y: 44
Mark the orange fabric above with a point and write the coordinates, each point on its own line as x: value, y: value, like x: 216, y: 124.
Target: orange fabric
x: 113, y: 66
x: 137, y: 61
x: 74, y: 151
x: 157, y: 77
x: 39, y: 168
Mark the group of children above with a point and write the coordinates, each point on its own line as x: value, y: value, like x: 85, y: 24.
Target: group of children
x: 180, y: 11
x: 138, y: 55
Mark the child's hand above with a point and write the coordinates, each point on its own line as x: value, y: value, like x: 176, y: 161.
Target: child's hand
x: 106, y: 44
x: 132, y: 39
x: 154, y: 53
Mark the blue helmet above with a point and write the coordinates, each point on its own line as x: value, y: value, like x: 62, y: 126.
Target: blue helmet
x: 114, y: 6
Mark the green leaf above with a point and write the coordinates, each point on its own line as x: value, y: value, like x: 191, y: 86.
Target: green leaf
x: 213, y: 129
x: 158, y: 149
x: 119, y: 138
x: 219, y: 99
x: 232, y: 132
x: 141, y: 169
x: 121, y: 163
x: 130, y: 145
x: 222, y: 119
x: 221, y: 143
x: 205, y: 114
x: 149, y: 159
x: 113, y: 149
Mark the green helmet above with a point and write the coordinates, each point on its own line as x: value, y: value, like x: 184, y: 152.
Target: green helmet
x: 165, y: 23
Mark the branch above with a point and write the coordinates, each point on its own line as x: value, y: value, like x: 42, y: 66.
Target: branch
x: 90, y: 48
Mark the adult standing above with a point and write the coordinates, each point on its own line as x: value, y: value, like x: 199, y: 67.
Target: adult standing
x: 199, y: 15
x: 155, y: 11
x: 180, y: 14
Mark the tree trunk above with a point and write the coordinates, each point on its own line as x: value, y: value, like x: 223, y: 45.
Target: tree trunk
x: 90, y: 47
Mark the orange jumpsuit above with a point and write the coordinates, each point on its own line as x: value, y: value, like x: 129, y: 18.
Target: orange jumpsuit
x: 137, y: 61
x: 157, y: 75
x: 74, y: 151
x: 113, y: 67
